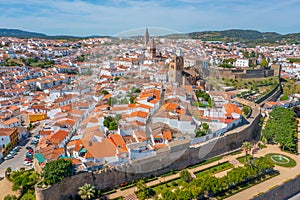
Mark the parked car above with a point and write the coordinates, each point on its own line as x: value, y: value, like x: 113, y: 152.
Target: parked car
x: 16, y: 148
x: 28, y: 147
x: 34, y: 142
x: 8, y: 156
x: 29, y: 156
x: 12, y: 152
x: 37, y: 137
x: 27, y: 163
x: 30, y: 151
x: 28, y: 160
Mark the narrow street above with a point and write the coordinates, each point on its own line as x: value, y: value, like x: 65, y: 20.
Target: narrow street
x: 17, y: 161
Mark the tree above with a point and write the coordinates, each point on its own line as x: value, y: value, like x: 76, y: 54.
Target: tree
x: 87, y: 191
x: 205, y: 126
x: 246, y: 146
x: 55, y: 171
x: 253, y: 54
x: 264, y: 63
x: 246, y: 110
x: 111, y: 123
x: 141, y: 189
x: 135, y: 90
x: 24, y: 180
x: 104, y: 92
x: 185, y: 175
x: 112, y: 101
x: 10, y: 197
x: 200, y: 133
x: 124, y: 101
x: 203, y: 130
x: 7, y: 172
x: 168, y: 195
x: 116, y: 78
x: 132, y: 99
x: 282, y: 128
x: 284, y: 97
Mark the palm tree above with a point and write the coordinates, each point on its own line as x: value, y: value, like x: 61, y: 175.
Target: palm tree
x: 87, y: 191
x: 247, y: 147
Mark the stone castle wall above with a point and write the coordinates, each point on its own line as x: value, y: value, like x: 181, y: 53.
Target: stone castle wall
x: 245, y: 73
x: 112, y: 178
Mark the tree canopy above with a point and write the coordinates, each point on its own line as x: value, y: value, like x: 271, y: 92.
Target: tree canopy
x: 246, y: 109
x: 142, y: 191
x: 246, y: 146
x: 112, y: 122
x: 104, y: 92
x: 23, y: 180
x: 87, y: 191
x: 185, y: 175
x: 112, y: 101
x: 203, y: 130
x: 282, y: 128
x: 264, y: 63
x: 55, y: 171
x: 204, y: 97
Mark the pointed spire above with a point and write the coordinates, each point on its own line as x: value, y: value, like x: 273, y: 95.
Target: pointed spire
x: 146, y: 37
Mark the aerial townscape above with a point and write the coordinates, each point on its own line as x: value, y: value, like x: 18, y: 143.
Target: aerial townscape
x: 142, y: 115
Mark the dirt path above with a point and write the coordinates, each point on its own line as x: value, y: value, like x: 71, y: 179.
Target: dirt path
x: 5, y: 186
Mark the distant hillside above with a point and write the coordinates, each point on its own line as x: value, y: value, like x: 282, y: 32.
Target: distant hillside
x: 26, y: 34
x: 250, y: 37
x: 247, y: 36
x: 234, y: 34
x: 19, y: 33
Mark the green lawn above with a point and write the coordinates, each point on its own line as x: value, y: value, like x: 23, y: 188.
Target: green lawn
x: 169, y: 185
x: 214, y: 169
x: 291, y: 163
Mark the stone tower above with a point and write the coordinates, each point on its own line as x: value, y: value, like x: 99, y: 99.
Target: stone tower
x: 175, y: 69
x: 152, y: 50
x: 146, y: 37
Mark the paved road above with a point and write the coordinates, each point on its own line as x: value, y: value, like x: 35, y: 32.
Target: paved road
x: 17, y: 161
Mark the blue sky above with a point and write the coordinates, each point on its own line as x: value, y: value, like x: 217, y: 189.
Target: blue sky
x: 110, y: 17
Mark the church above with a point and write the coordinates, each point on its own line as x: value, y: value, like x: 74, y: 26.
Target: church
x: 177, y: 73
x: 151, y: 47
